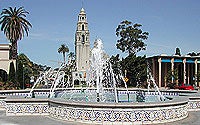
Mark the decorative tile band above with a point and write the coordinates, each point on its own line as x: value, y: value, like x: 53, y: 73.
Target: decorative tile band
x: 194, y: 104
x: 2, y: 102
x: 13, y: 109
x: 123, y: 115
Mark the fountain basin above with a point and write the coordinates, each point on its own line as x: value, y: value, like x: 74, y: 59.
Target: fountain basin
x: 119, y: 113
x: 101, y: 113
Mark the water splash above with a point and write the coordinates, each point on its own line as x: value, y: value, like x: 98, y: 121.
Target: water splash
x: 100, y: 74
x: 53, y: 78
x: 150, y: 81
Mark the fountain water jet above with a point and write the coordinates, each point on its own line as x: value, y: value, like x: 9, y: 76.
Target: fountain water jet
x: 100, y: 80
x: 100, y: 72
x: 53, y: 78
x: 150, y: 81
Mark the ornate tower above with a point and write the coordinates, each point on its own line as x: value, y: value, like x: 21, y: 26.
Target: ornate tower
x: 82, y: 43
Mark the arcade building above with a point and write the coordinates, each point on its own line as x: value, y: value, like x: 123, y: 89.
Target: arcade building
x: 187, y: 69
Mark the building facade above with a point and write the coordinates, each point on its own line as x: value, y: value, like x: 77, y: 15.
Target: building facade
x: 5, y: 61
x: 186, y: 68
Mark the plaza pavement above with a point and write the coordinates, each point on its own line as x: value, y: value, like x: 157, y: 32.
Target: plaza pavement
x: 192, y: 119
x: 30, y: 120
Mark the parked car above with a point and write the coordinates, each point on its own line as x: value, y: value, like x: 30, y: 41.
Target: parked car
x: 185, y: 87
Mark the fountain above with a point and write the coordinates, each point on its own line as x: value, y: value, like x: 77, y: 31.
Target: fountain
x: 100, y: 76
x: 93, y: 103
x: 100, y: 82
x: 99, y: 102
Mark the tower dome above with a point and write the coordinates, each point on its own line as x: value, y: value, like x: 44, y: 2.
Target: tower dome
x: 82, y: 10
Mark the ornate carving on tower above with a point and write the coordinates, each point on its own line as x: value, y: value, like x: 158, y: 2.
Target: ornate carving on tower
x: 82, y: 42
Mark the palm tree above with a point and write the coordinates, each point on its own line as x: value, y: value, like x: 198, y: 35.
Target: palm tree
x: 63, y: 49
x: 14, y: 24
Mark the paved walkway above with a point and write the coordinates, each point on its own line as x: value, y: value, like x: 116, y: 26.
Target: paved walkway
x: 30, y: 120
x: 192, y: 119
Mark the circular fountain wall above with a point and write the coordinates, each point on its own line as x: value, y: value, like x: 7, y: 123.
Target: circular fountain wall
x: 119, y: 113
x: 106, y: 113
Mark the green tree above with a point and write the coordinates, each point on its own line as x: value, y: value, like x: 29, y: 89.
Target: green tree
x: 198, y: 78
x: 193, y: 54
x: 26, y: 68
x: 131, y: 37
x: 71, y: 57
x: 12, y: 73
x: 178, y: 52
x: 63, y: 49
x: 14, y: 24
x: 136, y: 69
x: 116, y: 64
x: 20, y: 74
x: 172, y: 74
x: 70, y: 67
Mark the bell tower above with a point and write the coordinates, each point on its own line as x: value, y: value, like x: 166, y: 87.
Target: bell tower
x: 82, y: 43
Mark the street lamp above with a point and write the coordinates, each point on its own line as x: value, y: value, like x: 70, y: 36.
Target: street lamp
x: 23, y: 76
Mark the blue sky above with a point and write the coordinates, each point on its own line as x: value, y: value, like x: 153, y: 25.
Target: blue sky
x: 171, y: 24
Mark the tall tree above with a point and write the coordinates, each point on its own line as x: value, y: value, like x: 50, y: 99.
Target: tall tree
x: 12, y: 74
x: 63, y: 49
x: 20, y: 73
x: 71, y: 57
x: 178, y: 52
x: 136, y: 69
x: 131, y: 37
x: 115, y: 61
x: 14, y: 24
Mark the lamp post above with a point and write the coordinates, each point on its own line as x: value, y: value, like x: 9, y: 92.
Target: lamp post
x: 23, y: 76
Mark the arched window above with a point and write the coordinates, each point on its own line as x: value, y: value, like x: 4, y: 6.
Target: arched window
x: 83, y: 39
x: 82, y: 27
x: 76, y: 82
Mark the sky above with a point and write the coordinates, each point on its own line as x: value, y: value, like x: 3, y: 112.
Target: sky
x: 170, y: 23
